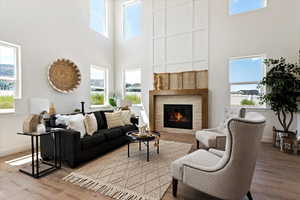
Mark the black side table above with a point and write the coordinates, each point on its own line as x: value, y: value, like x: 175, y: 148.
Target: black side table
x: 40, y: 168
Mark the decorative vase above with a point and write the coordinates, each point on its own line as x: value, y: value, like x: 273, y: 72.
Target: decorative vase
x: 52, y: 110
x: 41, y: 128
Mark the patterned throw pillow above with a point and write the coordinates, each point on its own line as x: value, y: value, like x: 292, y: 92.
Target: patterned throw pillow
x: 114, y: 119
x: 126, y: 116
x: 90, y: 123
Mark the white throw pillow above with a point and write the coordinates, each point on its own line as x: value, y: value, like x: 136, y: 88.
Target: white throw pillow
x: 126, y: 116
x: 62, y: 119
x: 90, y: 123
x: 76, y: 123
x: 114, y: 119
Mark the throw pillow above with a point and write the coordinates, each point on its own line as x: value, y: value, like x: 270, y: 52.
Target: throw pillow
x: 90, y: 123
x: 114, y: 119
x: 76, y: 123
x: 126, y: 116
x: 62, y: 120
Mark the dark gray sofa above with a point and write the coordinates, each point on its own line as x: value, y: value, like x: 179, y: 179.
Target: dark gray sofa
x: 76, y: 150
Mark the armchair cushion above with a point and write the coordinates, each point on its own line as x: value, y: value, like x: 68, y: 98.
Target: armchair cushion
x: 217, y: 152
x: 208, y: 138
x: 200, y: 158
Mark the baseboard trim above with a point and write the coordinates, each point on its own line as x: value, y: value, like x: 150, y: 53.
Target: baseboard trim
x: 7, y: 152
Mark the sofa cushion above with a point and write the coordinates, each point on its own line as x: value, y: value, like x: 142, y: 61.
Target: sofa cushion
x: 112, y: 133
x: 91, y: 141
x: 200, y: 158
x: 128, y: 128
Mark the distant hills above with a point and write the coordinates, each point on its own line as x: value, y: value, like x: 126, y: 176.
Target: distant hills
x: 7, y: 70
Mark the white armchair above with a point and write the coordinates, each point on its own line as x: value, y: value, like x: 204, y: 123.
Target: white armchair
x: 216, y: 137
x: 228, y: 174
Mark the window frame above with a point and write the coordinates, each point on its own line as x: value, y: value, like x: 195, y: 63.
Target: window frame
x: 263, y: 89
x: 124, y: 83
x: 105, y: 69
x: 248, y: 11
x: 18, y: 74
x: 106, y: 32
x: 124, y: 6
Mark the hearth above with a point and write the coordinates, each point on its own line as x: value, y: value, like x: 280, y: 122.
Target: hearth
x: 178, y: 116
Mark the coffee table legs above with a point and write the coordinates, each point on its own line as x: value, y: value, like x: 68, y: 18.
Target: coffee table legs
x: 128, y: 149
x: 147, y: 151
x: 140, y: 146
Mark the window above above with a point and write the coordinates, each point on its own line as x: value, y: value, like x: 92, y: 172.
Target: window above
x: 10, y: 79
x: 98, y: 80
x: 244, y: 77
x: 132, y: 14
x: 241, y: 6
x: 98, y: 16
x: 132, y: 85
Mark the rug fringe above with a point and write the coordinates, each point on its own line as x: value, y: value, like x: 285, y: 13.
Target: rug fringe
x: 112, y: 191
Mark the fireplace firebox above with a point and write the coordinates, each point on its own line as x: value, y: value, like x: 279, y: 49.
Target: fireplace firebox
x: 178, y: 116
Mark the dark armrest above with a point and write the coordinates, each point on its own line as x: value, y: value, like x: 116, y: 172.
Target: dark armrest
x: 70, y: 146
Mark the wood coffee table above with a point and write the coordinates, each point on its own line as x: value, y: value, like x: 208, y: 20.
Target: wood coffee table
x: 134, y: 138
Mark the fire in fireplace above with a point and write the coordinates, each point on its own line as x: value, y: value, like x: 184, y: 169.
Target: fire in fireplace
x: 178, y: 116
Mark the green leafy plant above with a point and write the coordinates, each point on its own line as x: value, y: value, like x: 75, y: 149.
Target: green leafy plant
x: 282, y: 84
x: 113, y: 101
x: 246, y: 102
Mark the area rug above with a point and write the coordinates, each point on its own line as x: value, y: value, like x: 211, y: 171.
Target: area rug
x: 119, y: 177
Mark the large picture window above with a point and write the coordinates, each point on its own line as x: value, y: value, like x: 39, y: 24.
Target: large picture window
x: 241, y: 6
x: 244, y: 75
x: 98, y: 16
x: 10, y: 79
x: 98, y: 83
x: 132, y: 87
x: 132, y: 14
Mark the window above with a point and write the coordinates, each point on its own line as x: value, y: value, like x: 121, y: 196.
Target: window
x: 244, y: 76
x: 10, y: 81
x: 98, y: 16
x: 133, y: 86
x: 241, y: 6
x: 132, y: 14
x: 98, y: 82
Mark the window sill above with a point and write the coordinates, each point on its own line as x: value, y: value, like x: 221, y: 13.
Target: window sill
x: 7, y: 111
x: 253, y: 108
x: 100, y: 106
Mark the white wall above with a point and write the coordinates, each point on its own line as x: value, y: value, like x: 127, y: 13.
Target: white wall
x: 180, y: 35
x: 273, y: 31
x: 47, y: 30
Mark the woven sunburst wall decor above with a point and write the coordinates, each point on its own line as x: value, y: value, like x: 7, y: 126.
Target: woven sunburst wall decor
x: 64, y: 76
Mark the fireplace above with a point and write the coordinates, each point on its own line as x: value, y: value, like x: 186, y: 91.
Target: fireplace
x: 178, y: 116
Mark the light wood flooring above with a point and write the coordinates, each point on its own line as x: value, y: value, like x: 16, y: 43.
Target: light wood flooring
x: 277, y: 177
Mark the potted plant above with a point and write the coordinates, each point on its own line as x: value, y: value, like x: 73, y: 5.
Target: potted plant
x: 283, y: 86
x: 113, y: 101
